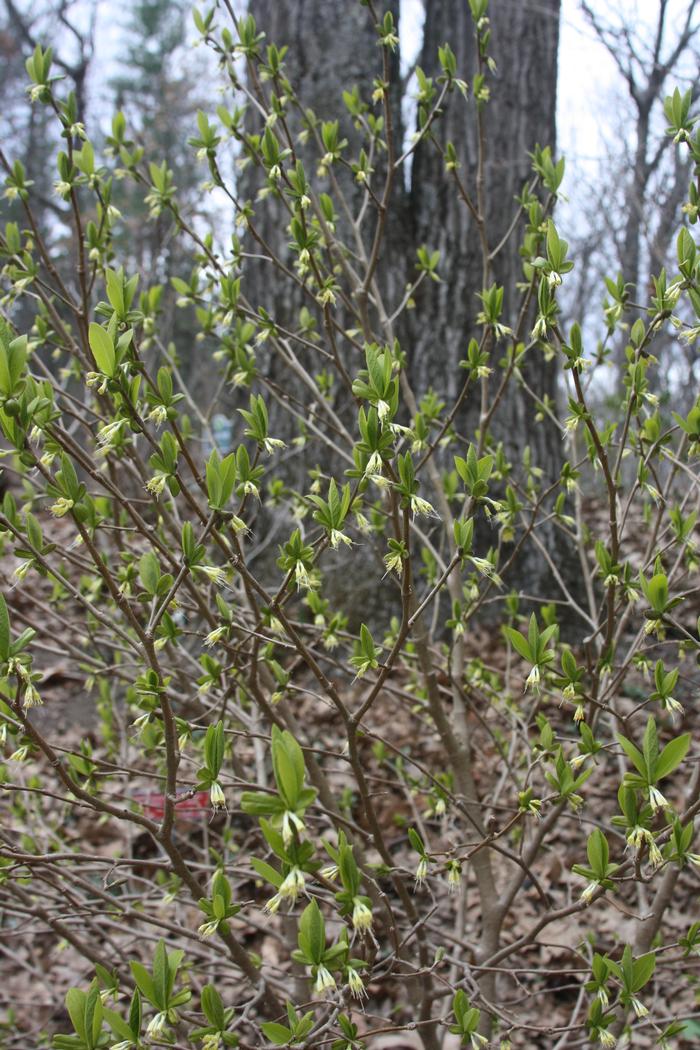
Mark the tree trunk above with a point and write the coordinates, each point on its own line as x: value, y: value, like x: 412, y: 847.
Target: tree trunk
x: 519, y: 115
x: 332, y: 46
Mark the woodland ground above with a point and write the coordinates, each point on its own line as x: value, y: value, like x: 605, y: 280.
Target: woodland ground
x: 37, y: 965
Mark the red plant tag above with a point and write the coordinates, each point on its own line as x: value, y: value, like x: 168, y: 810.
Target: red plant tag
x: 188, y: 808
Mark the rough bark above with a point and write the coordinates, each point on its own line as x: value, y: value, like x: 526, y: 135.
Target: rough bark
x: 332, y: 45
x: 520, y: 114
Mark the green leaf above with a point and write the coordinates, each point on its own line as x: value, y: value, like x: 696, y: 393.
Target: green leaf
x: 4, y: 630
x: 634, y: 754
x: 657, y: 592
x: 642, y: 970
x: 144, y: 982
x: 276, y: 1033
x: 288, y: 764
x: 416, y: 841
x: 103, y: 349
x: 267, y: 872
x: 533, y: 635
x: 650, y: 745
x: 5, y: 377
x: 518, y: 642
x: 135, y: 1012
x: 118, y: 1025
x: 214, y: 748
x: 75, y: 1005
x: 69, y: 478
x: 257, y: 803
x: 213, y: 1007
x: 13, y: 357
x: 598, y: 851
x: 671, y: 756
x: 149, y: 571
x: 312, y: 932
x: 161, y: 975
x: 115, y: 291
x: 174, y: 959
x: 93, y: 1015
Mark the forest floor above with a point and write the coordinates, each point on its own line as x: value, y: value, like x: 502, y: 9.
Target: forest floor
x: 38, y: 963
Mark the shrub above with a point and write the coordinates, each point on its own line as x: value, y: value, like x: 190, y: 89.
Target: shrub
x: 288, y: 819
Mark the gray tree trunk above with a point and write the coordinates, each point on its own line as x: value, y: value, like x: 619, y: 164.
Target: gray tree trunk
x: 332, y: 46
x: 519, y: 115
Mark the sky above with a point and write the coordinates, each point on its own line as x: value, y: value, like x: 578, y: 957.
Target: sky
x: 588, y: 76
x: 583, y: 62
x: 591, y: 99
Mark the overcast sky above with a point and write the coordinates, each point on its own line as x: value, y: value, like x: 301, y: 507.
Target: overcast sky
x: 588, y: 78
x: 591, y: 98
x: 587, y: 75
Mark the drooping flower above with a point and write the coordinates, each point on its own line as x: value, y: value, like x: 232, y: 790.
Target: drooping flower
x: 159, y: 415
x: 454, y: 876
x: 325, y: 981
x: 301, y: 576
x: 215, y: 573
x: 540, y: 329
x: 374, y: 464
x: 61, y: 507
x: 156, y: 484
x: 361, y: 915
x: 477, y: 1040
x: 673, y: 706
x: 533, y: 679
x: 31, y: 697
x: 208, y: 929
x: 421, y: 506
x: 292, y: 885
x: 212, y: 1041
x: 587, y: 894
x: 421, y: 872
x: 156, y: 1026
x: 290, y: 823
x: 109, y: 433
x: 356, y: 984
x: 272, y: 906
x: 656, y: 799
x: 270, y: 444
x: 337, y: 537
x: 639, y: 1008
x: 216, y: 635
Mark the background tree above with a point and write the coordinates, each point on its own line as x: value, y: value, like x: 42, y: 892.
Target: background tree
x: 635, y: 208
x: 158, y: 91
x: 442, y: 205
x: 452, y: 210
x: 27, y: 130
